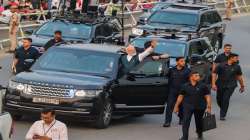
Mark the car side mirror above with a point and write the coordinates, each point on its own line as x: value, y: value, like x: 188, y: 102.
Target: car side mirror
x: 196, y: 59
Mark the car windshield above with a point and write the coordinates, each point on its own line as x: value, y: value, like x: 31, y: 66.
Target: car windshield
x: 69, y: 30
x: 159, y: 6
x: 166, y: 17
x: 174, y: 49
x: 77, y: 61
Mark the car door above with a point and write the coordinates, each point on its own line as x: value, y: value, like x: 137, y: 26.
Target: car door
x: 145, y: 85
x: 201, y: 58
x: 218, y: 29
x: 212, y: 27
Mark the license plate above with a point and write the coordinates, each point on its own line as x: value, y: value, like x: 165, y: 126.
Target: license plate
x: 46, y: 100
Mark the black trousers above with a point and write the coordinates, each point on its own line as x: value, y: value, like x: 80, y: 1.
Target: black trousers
x: 223, y: 98
x: 172, y: 97
x: 187, y: 116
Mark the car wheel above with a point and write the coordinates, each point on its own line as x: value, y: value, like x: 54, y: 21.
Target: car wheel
x: 105, y: 115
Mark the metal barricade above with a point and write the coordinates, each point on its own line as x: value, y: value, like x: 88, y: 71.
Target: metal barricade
x: 26, y: 24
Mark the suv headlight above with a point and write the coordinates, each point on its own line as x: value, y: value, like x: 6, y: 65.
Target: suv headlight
x: 16, y: 85
x: 24, y: 88
x: 137, y: 31
x: 87, y: 93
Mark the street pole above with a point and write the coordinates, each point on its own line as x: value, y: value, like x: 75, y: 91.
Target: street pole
x: 63, y: 7
x: 123, y: 34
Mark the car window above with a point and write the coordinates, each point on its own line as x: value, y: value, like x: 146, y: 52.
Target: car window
x: 205, y: 19
x: 149, y: 68
x: 209, y: 18
x: 174, y: 18
x: 69, y: 30
x: 174, y: 49
x: 197, y: 48
x: 77, y: 61
x: 216, y: 17
x: 103, y: 30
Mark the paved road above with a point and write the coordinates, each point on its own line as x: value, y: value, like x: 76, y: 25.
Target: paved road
x: 149, y: 127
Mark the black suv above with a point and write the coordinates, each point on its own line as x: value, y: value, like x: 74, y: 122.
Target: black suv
x: 199, y: 53
x: 192, y: 20
x: 81, y: 80
x: 85, y: 29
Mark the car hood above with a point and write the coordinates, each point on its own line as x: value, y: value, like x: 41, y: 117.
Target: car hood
x: 167, y: 27
x: 75, y: 81
x: 40, y: 41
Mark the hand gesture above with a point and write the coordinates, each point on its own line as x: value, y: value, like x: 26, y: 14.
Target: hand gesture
x: 176, y: 109
x: 214, y: 87
x: 242, y: 89
x: 208, y: 110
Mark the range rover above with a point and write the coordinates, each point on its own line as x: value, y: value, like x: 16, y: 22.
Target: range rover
x: 83, y: 81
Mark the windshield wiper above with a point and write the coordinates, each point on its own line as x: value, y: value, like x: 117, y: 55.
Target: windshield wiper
x: 161, y: 22
x: 99, y: 75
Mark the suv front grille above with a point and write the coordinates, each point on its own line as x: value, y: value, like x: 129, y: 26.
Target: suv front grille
x: 50, y: 91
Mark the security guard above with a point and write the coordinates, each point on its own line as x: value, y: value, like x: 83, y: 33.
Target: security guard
x: 196, y: 100
x: 22, y: 54
x: 223, y: 57
x: 224, y: 81
x: 178, y: 76
x: 14, y: 23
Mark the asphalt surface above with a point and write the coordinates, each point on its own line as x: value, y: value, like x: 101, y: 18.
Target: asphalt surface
x: 150, y: 127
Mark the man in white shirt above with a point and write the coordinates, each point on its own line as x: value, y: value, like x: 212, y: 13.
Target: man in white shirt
x: 48, y: 128
x: 133, y: 58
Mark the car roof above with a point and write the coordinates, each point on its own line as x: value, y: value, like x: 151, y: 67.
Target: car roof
x: 106, y: 48
x: 187, y: 8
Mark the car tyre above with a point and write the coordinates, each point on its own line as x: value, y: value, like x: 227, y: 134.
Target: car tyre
x: 105, y: 115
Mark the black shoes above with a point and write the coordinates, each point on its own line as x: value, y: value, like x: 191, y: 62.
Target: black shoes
x: 200, y: 136
x: 166, y: 125
x: 229, y: 19
x: 222, y: 118
x: 181, y: 138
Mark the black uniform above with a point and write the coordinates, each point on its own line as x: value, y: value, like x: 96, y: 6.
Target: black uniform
x: 176, y: 79
x: 221, y: 58
x: 51, y: 43
x: 21, y: 54
x: 226, y: 84
x: 193, y: 103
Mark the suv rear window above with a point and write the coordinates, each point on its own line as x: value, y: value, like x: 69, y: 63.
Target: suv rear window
x: 175, y: 18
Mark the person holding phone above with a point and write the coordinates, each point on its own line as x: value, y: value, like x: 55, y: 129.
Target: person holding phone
x: 48, y: 128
